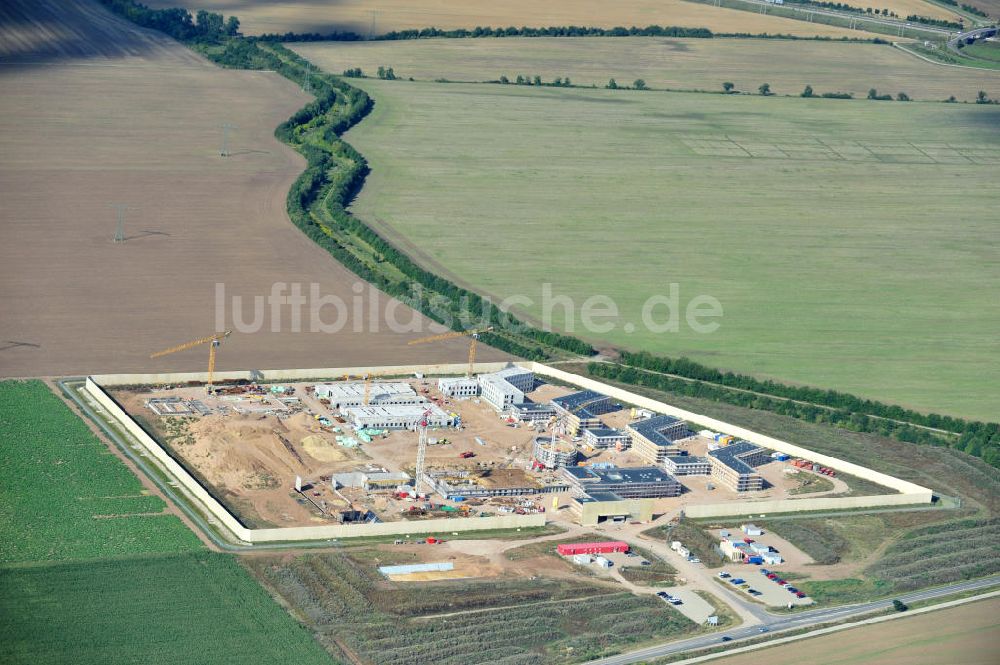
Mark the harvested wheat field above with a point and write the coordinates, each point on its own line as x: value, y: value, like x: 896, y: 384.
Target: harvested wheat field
x: 320, y: 16
x: 964, y: 635
x: 121, y: 115
x: 679, y: 64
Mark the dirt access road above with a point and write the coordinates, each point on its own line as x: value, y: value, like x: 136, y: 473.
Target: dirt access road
x: 95, y: 111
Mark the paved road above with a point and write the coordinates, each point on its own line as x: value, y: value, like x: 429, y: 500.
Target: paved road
x: 859, y: 19
x: 790, y: 621
x: 978, y: 33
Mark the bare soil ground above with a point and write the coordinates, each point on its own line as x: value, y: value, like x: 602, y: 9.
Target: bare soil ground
x: 94, y: 112
x: 964, y: 635
x: 250, y: 459
x: 320, y: 16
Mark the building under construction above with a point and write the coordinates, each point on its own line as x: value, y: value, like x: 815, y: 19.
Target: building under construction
x: 654, y: 439
x: 553, y: 454
x: 397, y: 416
x: 465, y: 484
x: 348, y: 395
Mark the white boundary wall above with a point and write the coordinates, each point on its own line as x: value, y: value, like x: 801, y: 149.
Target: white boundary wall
x: 219, y: 512
x: 909, y: 493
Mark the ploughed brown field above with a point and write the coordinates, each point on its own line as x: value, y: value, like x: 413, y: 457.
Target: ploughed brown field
x: 95, y: 111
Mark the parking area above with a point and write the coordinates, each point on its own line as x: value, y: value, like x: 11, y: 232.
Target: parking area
x: 771, y: 593
x: 692, y: 605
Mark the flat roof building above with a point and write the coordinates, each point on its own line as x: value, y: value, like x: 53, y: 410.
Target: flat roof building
x: 396, y: 416
x: 531, y: 411
x: 687, y: 465
x: 458, y: 386
x: 580, y: 410
x: 346, y: 395
x: 606, y: 437
x: 654, y: 438
x: 733, y: 466
x: 507, y: 387
x: 637, y: 483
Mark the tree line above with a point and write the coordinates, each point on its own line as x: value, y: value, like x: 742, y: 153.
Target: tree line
x: 203, y: 27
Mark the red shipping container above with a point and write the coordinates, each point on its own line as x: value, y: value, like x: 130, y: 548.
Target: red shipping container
x: 569, y: 549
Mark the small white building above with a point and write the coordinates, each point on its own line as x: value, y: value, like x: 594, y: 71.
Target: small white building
x: 582, y: 559
x: 606, y: 437
x: 772, y: 558
x: 459, y: 387
x: 602, y: 562
x: 752, y: 530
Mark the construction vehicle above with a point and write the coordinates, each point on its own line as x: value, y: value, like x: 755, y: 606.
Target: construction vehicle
x: 213, y: 341
x: 473, y: 336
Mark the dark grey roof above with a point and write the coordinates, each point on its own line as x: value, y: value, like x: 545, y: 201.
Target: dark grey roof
x: 728, y: 455
x: 574, y: 401
x: 643, y: 474
x: 687, y: 459
x: 605, y: 431
x: 650, y: 428
x: 532, y: 406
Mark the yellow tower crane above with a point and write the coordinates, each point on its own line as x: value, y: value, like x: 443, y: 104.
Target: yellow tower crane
x: 473, y: 340
x: 368, y: 386
x: 214, y: 341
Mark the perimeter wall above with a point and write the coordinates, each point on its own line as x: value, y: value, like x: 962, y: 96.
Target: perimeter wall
x: 908, y: 493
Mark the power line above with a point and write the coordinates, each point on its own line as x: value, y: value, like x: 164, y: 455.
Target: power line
x: 120, y: 229
x: 225, y: 138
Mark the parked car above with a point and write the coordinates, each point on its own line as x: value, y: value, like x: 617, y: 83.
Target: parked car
x: 791, y: 589
x: 762, y: 629
x: 694, y: 559
x: 724, y: 575
x: 744, y: 586
x: 772, y: 576
x: 800, y: 595
x: 737, y: 581
x: 662, y: 594
x: 644, y: 563
x: 764, y: 571
x: 726, y: 638
x: 753, y: 592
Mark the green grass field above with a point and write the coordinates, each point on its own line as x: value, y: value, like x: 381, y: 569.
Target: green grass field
x: 93, y: 572
x: 64, y: 495
x: 177, y: 609
x: 850, y: 243
x: 679, y: 64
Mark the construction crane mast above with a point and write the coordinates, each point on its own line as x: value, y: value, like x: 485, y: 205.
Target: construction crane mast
x: 421, y: 451
x: 214, y: 342
x: 473, y: 336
